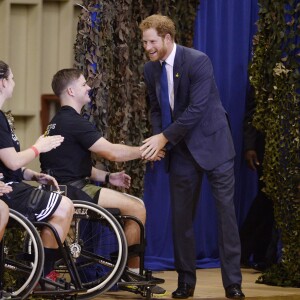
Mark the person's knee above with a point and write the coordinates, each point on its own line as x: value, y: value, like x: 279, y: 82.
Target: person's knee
x: 135, y: 207
x: 139, y: 210
x: 142, y: 207
x: 65, y: 209
x: 69, y: 206
x: 4, y: 213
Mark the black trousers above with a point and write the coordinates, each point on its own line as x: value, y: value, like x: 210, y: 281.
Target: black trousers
x: 258, y: 235
x: 185, y: 186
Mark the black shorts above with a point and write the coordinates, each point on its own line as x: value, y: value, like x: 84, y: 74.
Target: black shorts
x: 33, y: 203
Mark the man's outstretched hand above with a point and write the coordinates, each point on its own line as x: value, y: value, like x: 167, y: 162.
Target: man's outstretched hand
x: 152, y: 148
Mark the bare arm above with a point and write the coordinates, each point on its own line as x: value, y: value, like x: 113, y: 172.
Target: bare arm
x: 98, y: 175
x: 252, y: 159
x: 115, y: 152
x: 41, y: 178
x: 120, y: 179
x: 15, y: 160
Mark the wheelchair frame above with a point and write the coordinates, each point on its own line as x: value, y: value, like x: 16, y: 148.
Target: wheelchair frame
x: 80, y: 256
x: 21, y: 266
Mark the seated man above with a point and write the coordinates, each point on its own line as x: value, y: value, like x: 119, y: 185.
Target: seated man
x: 71, y: 163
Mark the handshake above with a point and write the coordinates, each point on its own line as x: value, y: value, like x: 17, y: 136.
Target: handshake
x: 153, y: 148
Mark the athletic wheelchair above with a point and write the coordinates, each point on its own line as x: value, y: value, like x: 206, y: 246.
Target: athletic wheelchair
x: 93, y: 257
x: 22, y: 261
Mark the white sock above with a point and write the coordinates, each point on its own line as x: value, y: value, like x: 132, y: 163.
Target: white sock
x: 135, y: 270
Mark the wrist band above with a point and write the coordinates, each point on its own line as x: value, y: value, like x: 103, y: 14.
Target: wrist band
x: 36, y: 151
x: 107, y: 178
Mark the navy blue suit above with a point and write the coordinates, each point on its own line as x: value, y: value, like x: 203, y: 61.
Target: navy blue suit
x: 199, y: 140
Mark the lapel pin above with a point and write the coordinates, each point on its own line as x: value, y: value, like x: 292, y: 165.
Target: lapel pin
x: 177, y: 75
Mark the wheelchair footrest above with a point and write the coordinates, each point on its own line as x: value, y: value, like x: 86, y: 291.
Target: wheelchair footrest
x: 58, y: 293
x: 136, y: 283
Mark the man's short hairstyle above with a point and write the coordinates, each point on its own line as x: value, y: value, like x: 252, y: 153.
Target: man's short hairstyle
x: 162, y: 24
x: 63, y: 78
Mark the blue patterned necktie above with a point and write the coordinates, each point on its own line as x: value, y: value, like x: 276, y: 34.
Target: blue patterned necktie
x: 164, y: 98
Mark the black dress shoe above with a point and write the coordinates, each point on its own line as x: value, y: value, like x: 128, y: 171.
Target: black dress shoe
x: 183, y: 291
x: 234, y: 291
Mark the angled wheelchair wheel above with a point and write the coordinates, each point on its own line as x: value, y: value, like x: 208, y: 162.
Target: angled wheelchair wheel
x: 98, y: 246
x: 22, y: 256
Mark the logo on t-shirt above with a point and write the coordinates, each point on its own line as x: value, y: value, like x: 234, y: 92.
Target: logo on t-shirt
x: 15, y: 138
x: 49, y: 127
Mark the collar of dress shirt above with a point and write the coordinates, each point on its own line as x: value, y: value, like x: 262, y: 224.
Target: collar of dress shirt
x: 170, y: 59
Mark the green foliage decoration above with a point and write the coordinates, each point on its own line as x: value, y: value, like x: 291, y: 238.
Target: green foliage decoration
x: 274, y: 74
x: 13, y: 235
x: 109, y: 50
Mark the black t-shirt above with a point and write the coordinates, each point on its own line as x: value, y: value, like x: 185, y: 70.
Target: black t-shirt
x: 72, y: 159
x: 8, y: 139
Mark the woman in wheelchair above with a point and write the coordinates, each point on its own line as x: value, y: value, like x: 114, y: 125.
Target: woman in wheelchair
x: 35, y: 204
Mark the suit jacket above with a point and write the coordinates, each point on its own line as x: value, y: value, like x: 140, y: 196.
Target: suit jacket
x: 198, y: 116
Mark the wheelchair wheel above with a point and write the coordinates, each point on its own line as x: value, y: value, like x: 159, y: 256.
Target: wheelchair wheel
x: 98, y: 247
x: 23, y: 256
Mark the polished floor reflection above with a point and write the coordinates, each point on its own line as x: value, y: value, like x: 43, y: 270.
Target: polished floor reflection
x: 209, y: 286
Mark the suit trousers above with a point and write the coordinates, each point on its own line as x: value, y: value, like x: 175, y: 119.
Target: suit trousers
x: 185, y: 186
